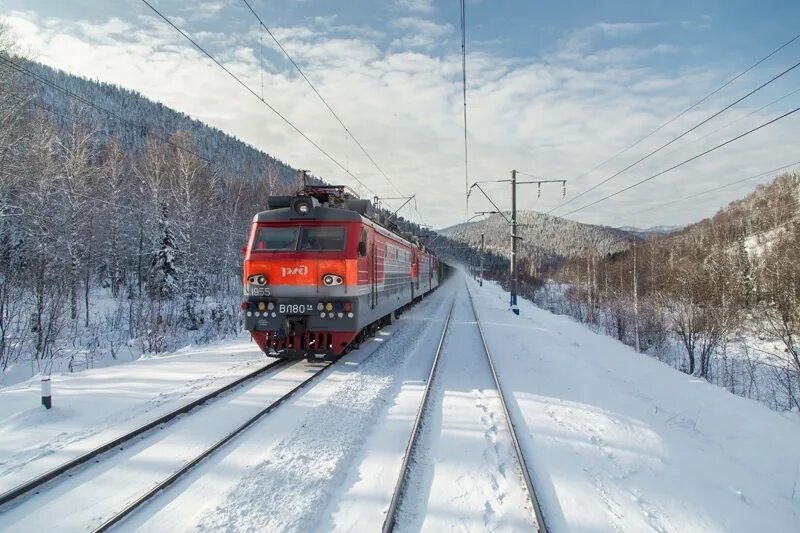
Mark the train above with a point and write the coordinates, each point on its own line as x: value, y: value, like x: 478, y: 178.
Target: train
x: 324, y: 269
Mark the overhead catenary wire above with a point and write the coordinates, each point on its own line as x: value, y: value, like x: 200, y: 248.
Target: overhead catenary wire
x: 125, y: 122
x: 661, y: 173
x: 706, y: 97
x: 369, y: 156
x: 27, y: 72
x: 238, y: 80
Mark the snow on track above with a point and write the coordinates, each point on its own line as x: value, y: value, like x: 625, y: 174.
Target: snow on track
x: 282, y: 473
x: 618, y: 441
x: 466, y: 477
x: 90, y: 495
x: 96, y: 406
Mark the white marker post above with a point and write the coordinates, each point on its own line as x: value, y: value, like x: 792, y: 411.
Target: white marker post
x: 46, y: 393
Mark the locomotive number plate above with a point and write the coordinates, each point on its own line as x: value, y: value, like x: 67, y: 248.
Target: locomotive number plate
x: 295, y: 309
x: 256, y: 291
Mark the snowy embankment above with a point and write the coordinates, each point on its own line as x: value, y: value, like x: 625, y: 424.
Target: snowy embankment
x: 616, y: 441
x: 622, y: 442
x: 95, y: 406
x: 288, y: 471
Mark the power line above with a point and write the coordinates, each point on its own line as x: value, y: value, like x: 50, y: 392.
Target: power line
x: 731, y: 123
x: 322, y: 99
x: 703, y: 99
x: 262, y: 100
x: 715, y: 189
x: 464, y: 91
x: 131, y: 125
x: 70, y: 118
x: 629, y: 187
x: 751, y: 67
x: 22, y: 70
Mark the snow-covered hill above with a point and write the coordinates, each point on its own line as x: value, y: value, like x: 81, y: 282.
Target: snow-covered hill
x: 654, y: 231
x: 546, y: 239
x: 132, y: 116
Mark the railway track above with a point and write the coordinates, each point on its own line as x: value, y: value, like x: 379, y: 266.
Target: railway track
x: 31, y: 492
x: 37, y: 483
x: 391, y: 520
x: 189, y: 465
x: 55, y: 490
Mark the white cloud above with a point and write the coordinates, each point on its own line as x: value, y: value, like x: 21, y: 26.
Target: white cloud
x: 419, y: 33
x: 624, y: 28
x: 554, y: 116
x: 419, y: 6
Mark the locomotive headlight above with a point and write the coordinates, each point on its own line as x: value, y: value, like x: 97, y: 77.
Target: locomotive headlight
x: 257, y: 279
x: 329, y: 306
x: 270, y: 306
x: 261, y: 306
x: 302, y: 206
x: 330, y: 280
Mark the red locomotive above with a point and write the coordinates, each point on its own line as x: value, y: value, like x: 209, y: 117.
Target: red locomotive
x: 323, y: 270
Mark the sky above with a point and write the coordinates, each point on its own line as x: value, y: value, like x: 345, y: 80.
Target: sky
x: 554, y: 89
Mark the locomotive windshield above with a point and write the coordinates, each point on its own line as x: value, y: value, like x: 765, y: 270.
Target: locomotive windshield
x: 316, y: 239
x: 275, y: 239
x: 321, y: 239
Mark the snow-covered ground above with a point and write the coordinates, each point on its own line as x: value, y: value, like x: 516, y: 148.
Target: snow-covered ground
x: 287, y: 471
x: 466, y: 477
x: 622, y: 442
x: 616, y: 441
x: 93, y: 407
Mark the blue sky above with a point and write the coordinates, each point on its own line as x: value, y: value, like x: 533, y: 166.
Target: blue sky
x: 554, y: 88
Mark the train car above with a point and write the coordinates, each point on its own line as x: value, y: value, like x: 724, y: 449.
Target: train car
x: 323, y: 270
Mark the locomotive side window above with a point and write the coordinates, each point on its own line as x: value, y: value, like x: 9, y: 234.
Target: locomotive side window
x: 274, y: 239
x: 362, y: 245
x: 321, y: 239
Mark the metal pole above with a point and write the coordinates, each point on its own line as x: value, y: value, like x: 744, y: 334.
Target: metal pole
x: 481, y: 282
x: 514, y: 307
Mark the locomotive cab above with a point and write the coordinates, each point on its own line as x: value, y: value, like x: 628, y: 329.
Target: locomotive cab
x: 301, y: 278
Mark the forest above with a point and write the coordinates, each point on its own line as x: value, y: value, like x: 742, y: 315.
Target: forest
x: 121, y: 222
x: 719, y: 299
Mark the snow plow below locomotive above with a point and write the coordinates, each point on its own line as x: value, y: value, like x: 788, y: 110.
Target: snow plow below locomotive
x: 323, y: 271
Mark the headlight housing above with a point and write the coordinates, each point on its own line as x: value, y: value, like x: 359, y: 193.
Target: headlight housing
x: 330, y: 280
x: 258, y: 279
x: 303, y: 206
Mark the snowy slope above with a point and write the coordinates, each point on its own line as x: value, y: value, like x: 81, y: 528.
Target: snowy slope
x: 284, y: 473
x: 616, y: 441
x: 621, y: 442
x: 93, y: 407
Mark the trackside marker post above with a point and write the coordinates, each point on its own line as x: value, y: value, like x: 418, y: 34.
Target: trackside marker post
x: 46, y: 393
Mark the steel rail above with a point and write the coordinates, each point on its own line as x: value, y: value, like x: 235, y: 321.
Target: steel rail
x: 537, y: 509
x: 189, y: 465
x: 391, y: 516
x: 164, y: 484
x: 37, y: 482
